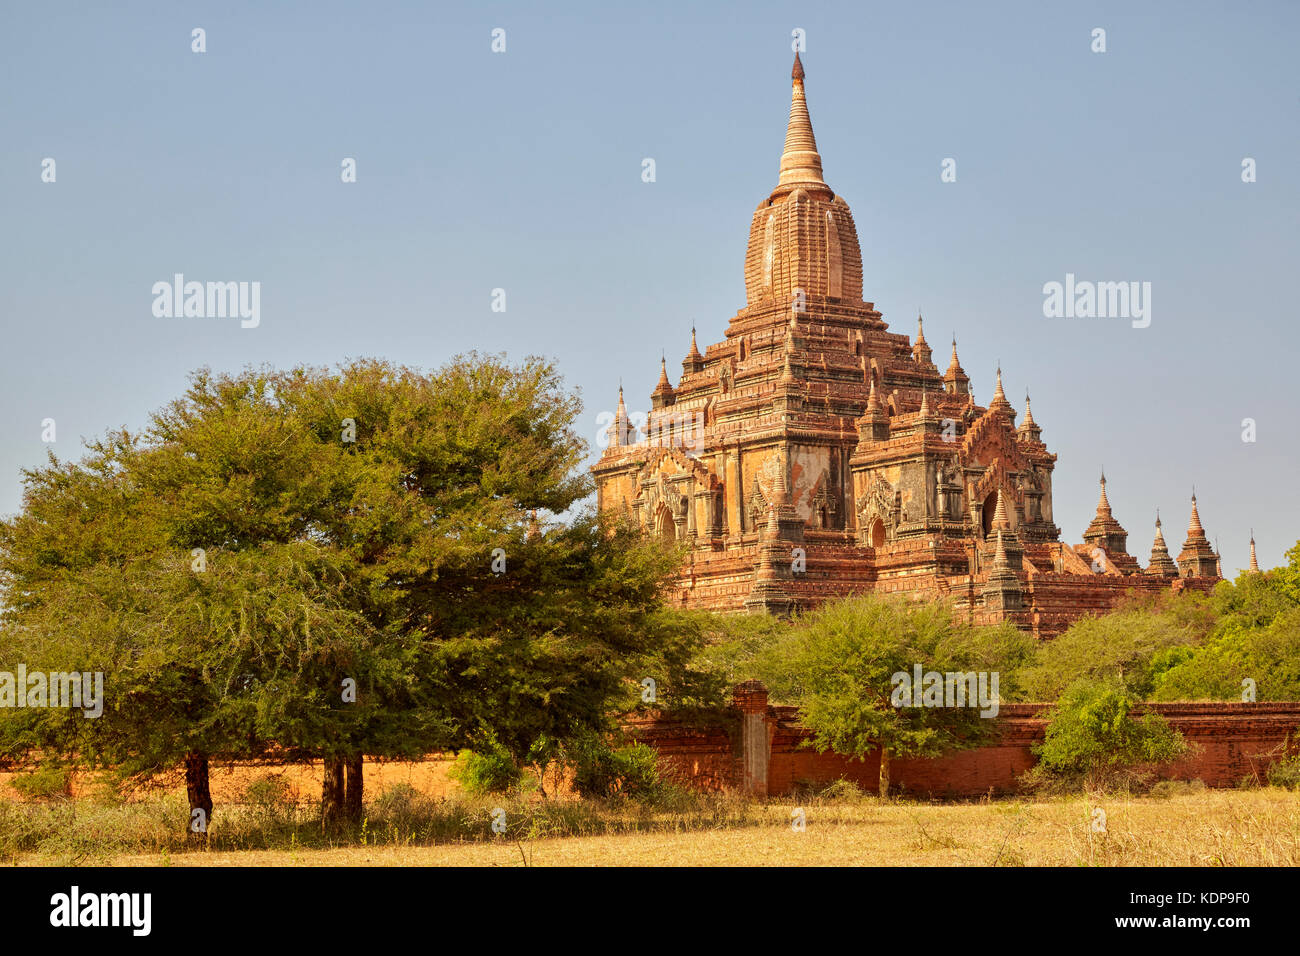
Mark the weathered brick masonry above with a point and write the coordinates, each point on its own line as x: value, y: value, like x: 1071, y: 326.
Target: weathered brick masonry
x: 1234, y: 741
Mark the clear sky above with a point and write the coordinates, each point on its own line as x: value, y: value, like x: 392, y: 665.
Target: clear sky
x: 522, y: 171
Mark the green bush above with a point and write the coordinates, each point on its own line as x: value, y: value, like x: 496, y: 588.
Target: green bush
x: 49, y: 782
x: 491, y: 769
x: 1092, y: 740
x: 604, y: 772
x: 1285, y: 773
x: 269, y: 792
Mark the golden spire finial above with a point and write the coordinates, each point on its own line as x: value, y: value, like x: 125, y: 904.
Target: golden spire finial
x: 1029, y: 414
x: 1254, y: 561
x: 999, y: 396
x: 694, y: 356
x: 800, y: 162
x: 664, y: 385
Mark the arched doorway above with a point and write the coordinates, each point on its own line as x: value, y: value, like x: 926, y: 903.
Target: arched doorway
x: 877, y: 535
x: 665, y: 527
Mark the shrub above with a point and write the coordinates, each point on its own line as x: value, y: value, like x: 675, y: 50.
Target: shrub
x: 1285, y: 773
x: 490, y: 769
x: 841, y: 791
x: 602, y: 771
x: 1093, y: 741
x: 269, y: 792
x: 48, y: 782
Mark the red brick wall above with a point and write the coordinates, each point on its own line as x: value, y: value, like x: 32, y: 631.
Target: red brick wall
x: 1233, y: 741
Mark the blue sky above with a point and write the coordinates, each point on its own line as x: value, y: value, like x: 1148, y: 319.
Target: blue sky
x: 522, y: 171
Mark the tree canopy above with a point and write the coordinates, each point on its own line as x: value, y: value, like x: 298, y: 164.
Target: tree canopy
x: 841, y: 664
x: 337, y: 563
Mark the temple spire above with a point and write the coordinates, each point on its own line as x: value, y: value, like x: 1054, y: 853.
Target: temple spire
x: 1161, y: 564
x: 1029, y: 415
x: 694, y: 361
x: 873, y: 400
x: 1254, y: 561
x: 920, y: 348
x: 1106, y: 533
x: 663, y: 394
x: 1000, y: 520
x: 1194, y: 522
x: 999, y: 396
x: 618, y: 429
x: 874, y: 423
x: 1197, y: 559
x: 1029, y: 430
x: 999, y: 401
x: 800, y: 162
x: 787, y: 372
x: 955, y: 380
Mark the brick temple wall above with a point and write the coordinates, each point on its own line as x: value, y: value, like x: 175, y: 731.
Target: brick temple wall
x: 1233, y: 741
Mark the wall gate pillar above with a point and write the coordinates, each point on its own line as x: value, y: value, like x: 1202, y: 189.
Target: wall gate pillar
x: 755, y: 745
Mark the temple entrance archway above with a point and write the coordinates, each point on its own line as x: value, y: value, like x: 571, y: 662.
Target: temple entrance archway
x: 665, y: 526
x: 877, y: 534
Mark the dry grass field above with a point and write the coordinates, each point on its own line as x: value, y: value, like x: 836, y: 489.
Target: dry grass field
x: 302, y: 780
x: 1188, y: 828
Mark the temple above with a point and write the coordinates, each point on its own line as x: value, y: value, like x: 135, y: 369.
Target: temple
x: 816, y: 453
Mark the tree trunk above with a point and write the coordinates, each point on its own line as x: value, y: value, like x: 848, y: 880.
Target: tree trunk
x: 352, y: 791
x: 200, y: 796
x: 331, y: 795
x: 884, y: 772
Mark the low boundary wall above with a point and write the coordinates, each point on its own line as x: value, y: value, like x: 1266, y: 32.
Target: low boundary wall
x: 760, y: 748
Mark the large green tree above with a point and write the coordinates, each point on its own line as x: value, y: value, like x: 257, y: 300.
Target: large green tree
x: 351, y: 563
